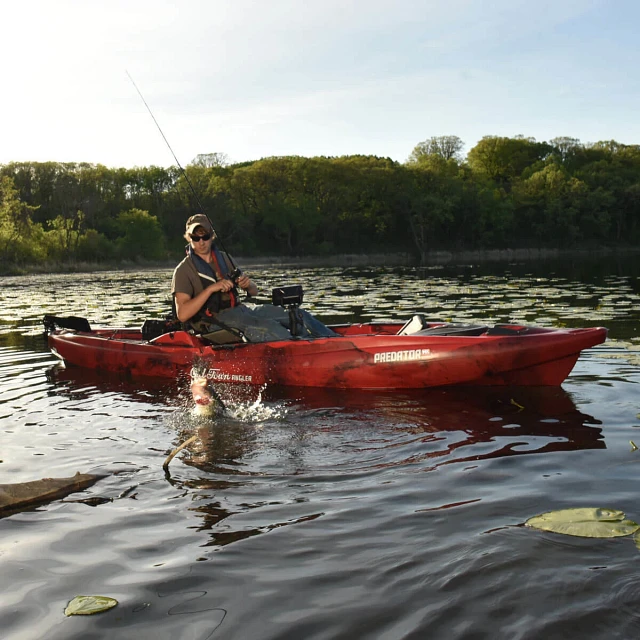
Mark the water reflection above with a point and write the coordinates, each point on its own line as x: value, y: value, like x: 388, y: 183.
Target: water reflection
x: 516, y: 420
x: 78, y: 383
x: 327, y: 437
x: 309, y: 436
x: 222, y: 444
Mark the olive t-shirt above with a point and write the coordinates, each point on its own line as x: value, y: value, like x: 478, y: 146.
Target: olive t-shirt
x: 186, y: 279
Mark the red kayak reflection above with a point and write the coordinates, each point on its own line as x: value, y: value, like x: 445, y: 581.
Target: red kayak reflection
x: 515, y: 420
x: 444, y: 425
x: 315, y: 437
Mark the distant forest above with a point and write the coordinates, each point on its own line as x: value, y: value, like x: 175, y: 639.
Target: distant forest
x: 506, y: 193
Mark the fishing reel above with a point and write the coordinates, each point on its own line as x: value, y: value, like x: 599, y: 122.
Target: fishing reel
x: 234, y: 275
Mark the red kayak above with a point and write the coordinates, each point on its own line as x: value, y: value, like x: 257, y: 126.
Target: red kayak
x: 362, y: 356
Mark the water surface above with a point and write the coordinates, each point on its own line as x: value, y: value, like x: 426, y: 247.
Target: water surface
x: 325, y: 514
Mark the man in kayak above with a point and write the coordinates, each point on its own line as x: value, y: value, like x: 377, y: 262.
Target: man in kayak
x: 205, y: 293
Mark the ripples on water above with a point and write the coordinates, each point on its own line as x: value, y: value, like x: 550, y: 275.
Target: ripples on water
x: 315, y: 514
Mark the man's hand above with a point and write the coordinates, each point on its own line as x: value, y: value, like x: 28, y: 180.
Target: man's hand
x: 244, y: 282
x: 222, y: 285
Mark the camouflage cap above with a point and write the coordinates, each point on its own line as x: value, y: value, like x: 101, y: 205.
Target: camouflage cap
x: 199, y: 220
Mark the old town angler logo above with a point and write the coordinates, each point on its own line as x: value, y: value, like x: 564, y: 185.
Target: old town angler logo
x: 401, y: 356
x: 221, y: 376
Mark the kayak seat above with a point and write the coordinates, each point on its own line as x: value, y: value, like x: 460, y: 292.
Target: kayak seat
x: 74, y: 323
x: 418, y: 326
x: 223, y: 336
x: 152, y: 329
x: 415, y: 324
x: 507, y: 330
x: 453, y: 330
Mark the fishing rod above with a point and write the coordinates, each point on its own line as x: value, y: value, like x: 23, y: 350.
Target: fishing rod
x: 236, y: 272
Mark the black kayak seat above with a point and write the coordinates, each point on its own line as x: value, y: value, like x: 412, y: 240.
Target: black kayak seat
x: 507, y: 330
x: 419, y: 326
x: 223, y: 336
x: 453, y: 330
x: 152, y: 329
x: 74, y: 323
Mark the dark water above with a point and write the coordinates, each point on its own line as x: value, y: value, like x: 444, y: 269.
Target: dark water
x: 325, y: 515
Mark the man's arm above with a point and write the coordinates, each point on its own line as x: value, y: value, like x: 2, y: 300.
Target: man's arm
x: 187, y: 307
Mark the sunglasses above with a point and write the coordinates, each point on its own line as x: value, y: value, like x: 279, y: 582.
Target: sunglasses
x: 205, y: 237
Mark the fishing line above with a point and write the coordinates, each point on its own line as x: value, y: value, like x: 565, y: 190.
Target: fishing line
x: 184, y: 173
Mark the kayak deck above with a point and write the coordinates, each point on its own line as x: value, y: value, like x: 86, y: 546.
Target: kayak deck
x: 362, y: 356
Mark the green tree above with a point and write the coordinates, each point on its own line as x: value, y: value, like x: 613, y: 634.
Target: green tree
x: 543, y: 206
x: 568, y: 152
x: 95, y: 247
x: 434, y: 198
x: 611, y: 176
x: 140, y: 236
x: 63, y: 236
x: 504, y: 160
x: 210, y: 160
x: 443, y: 147
x: 20, y: 237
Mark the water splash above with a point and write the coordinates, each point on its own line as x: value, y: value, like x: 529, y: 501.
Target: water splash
x: 257, y: 411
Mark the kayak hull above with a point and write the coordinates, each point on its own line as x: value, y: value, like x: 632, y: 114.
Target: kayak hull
x: 365, y: 356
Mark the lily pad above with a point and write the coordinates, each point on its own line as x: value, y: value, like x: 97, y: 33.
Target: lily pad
x: 88, y: 605
x: 587, y: 522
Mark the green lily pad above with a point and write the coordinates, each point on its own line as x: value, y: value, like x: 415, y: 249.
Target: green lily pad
x: 588, y: 522
x: 88, y: 605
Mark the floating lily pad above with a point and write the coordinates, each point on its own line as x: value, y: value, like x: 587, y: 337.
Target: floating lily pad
x: 88, y: 605
x: 588, y: 522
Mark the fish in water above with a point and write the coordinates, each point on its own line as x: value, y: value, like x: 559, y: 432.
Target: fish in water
x: 22, y: 495
x: 205, y: 397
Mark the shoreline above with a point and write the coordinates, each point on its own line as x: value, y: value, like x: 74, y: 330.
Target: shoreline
x: 432, y: 258
x: 440, y: 258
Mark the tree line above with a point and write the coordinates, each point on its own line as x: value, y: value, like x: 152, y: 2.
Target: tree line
x: 505, y: 193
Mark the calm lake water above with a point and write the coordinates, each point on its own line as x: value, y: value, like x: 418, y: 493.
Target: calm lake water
x: 323, y: 514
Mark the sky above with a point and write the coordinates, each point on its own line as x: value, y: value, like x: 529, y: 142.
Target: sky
x: 259, y: 78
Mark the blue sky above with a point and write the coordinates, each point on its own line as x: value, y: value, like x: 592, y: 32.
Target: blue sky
x: 257, y: 78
